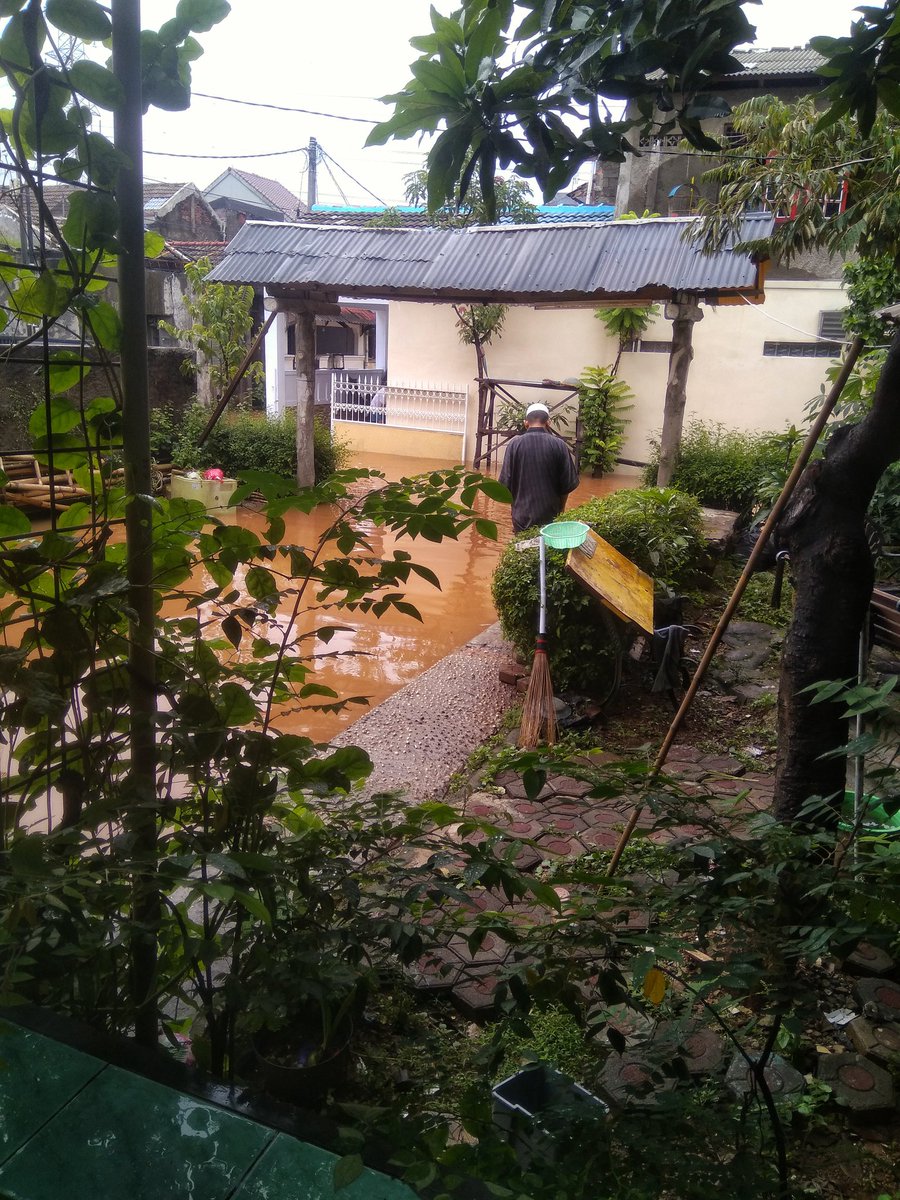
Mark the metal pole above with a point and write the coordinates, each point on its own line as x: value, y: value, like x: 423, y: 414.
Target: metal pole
x: 311, y: 189
x: 859, y: 762
x: 141, y: 809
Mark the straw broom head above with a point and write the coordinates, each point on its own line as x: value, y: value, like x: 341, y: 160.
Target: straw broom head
x: 539, y: 711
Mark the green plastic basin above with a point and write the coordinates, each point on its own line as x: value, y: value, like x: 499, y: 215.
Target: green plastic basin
x: 565, y: 535
x: 875, y: 820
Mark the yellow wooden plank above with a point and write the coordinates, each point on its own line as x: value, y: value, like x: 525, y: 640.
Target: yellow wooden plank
x: 614, y: 579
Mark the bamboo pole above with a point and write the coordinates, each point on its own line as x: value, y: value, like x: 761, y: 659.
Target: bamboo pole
x: 765, y: 533
x: 239, y: 375
x: 141, y: 819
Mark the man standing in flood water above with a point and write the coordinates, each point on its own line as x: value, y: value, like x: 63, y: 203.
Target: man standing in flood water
x: 538, y: 470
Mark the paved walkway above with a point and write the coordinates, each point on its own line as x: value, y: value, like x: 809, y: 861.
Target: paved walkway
x: 564, y: 822
x: 421, y: 735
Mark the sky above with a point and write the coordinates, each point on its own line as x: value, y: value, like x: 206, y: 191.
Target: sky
x: 338, y: 57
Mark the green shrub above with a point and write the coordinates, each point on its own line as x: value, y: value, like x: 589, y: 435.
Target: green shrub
x: 602, y: 400
x: 241, y: 441
x: 726, y: 468
x: 659, y: 529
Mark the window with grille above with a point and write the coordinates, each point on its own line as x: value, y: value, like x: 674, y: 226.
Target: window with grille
x: 642, y: 346
x: 801, y: 349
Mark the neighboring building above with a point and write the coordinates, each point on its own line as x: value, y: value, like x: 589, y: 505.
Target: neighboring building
x: 749, y: 371
x: 171, y: 206
x: 176, y: 211
x: 665, y: 178
x: 237, y: 196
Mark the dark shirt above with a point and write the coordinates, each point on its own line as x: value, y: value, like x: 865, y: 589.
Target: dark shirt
x: 539, y: 471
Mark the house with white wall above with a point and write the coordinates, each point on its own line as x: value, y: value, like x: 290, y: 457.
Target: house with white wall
x: 760, y: 353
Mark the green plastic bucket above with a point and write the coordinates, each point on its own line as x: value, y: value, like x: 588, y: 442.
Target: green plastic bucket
x: 876, y: 818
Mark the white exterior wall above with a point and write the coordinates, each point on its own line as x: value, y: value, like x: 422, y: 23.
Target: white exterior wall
x: 730, y: 380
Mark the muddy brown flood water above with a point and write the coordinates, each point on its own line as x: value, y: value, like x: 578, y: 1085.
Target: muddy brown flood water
x: 381, y: 655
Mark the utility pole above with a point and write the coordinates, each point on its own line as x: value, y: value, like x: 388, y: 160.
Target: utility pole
x: 311, y: 190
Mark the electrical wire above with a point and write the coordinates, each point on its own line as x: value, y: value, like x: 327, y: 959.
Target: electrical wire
x: 326, y: 155
x: 228, y: 157
x: 815, y: 336
x: 312, y: 112
x: 333, y: 178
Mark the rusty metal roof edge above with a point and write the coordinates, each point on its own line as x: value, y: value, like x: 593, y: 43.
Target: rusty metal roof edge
x: 658, y: 292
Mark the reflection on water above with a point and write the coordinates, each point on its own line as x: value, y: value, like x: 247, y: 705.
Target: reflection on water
x: 376, y: 656
x: 373, y: 657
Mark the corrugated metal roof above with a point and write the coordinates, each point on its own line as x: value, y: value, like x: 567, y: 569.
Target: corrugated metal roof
x: 556, y: 213
x: 524, y: 263
x: 782, y: 60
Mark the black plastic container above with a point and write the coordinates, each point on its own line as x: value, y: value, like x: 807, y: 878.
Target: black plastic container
x: 539, y: 1109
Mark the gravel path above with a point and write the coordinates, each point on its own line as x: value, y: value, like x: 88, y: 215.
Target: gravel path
x: 421, y: 735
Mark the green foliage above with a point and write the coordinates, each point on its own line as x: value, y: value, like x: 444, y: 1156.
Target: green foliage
x: 391, y: 218
x: 240, y: 442
x: 512, y: 197
x: 221, y: 322
x: 792, y: 162
x: 602, y: 400
x: 756, y: 602
x: 855, y: 403
x: 872, y: 284
x: 658, y: 529
x: 626, y: 324
x: 520, y: 85
x: 554, y: 1035
x: 485, y: 320
x: 255, y: 861
x: 728, y: 468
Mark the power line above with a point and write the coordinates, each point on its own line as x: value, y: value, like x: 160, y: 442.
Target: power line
x: 312, y: 112
x: 223, y: 157
x: 327, y: 156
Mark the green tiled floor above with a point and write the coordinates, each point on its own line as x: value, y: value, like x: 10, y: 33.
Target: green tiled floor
x: 73, y: 1126
x: 292, y: 1170
x: 37, y: 1078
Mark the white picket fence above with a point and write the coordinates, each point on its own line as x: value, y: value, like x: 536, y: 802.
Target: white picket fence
x: 438, y: 409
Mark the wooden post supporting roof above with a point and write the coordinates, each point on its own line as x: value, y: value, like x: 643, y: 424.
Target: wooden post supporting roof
x: 305, y: 357
x: 303, y: 309
x: 683, y: 313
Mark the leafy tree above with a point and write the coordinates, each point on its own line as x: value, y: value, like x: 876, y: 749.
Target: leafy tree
x: 840, y: 187
x: 512, y: 202
x: 625, y: 324
x: 221, y: 322
x: 531, y: 92
x: 800, y: 162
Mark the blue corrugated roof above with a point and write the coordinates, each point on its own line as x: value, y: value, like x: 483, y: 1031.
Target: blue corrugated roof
x: 416, y: 216
x: 513, y: 263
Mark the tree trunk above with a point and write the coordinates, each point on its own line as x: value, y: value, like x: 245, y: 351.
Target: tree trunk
x: 823, y: 529
x: 682, y: 315
x: 305, y: 356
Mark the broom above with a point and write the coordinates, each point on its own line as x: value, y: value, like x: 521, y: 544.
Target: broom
x: 539, y: 712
